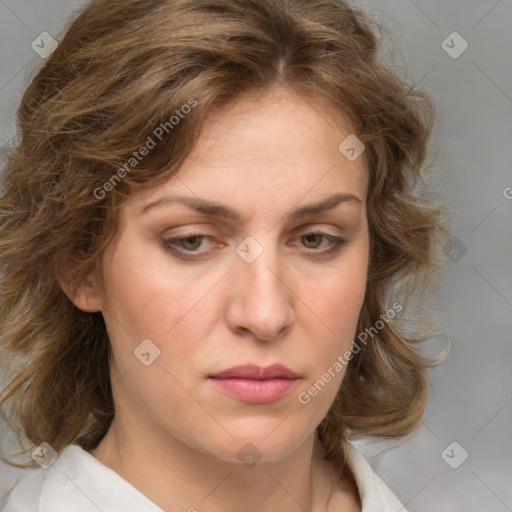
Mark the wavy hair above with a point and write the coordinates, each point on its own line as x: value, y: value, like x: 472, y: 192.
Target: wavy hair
x: 125, y: 67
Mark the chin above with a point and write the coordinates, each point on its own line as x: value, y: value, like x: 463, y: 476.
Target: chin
x: 253, y: 444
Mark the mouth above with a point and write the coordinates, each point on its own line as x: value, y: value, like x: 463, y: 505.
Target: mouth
x: 254, y: 384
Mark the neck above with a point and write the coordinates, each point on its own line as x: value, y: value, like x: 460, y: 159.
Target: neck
x: 174, y: 476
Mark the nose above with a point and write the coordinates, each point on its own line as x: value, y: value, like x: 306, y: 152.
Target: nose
x: 261, y: 302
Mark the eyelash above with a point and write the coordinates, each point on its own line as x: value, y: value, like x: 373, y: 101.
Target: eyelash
x: 169, y: 244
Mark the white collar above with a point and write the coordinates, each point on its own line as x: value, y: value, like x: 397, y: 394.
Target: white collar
x: 79, y: 481
x: 375, y: 494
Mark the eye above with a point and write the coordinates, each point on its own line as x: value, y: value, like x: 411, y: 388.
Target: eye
x: 186, y: 246
x: 314, y: 240
x: 191, y: 242
x: 193, y: 246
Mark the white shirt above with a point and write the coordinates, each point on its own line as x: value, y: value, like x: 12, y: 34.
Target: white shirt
x: 78, y: 482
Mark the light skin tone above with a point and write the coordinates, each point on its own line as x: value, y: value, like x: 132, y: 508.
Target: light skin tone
x: 174, y: 436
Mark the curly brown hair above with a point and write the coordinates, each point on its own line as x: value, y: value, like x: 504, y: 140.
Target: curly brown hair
x: 121, y: 69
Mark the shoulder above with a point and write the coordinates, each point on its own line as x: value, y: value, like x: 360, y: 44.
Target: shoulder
x: 374, y: 493
x: 24, y: 496
x: 75, y: 481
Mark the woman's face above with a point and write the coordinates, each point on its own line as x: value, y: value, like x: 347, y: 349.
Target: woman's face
x: 259, y: 279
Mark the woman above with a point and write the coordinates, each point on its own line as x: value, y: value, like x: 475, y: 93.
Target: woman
x: 209, y: 230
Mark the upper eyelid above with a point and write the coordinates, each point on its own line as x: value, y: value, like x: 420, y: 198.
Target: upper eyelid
x: 212, y: 237
x: 214, y: 232
x: 206, y: 234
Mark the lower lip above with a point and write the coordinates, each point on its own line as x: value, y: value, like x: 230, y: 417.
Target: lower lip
x: 255, y: 391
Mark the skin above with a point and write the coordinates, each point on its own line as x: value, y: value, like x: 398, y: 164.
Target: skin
x: 174, y: 436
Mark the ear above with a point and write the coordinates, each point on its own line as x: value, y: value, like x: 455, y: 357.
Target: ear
x: 84, y: 296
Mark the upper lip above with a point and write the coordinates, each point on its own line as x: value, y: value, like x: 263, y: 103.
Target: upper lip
x: 251, y: 371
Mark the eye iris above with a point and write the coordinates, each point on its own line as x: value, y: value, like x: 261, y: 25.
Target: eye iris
x: 192, y: 239
x: 311, y: 238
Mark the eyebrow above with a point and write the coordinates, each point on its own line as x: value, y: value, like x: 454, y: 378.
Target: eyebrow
x: 219, y: 210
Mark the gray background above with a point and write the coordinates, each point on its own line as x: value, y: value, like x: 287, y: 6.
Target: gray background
x: 472, y: 390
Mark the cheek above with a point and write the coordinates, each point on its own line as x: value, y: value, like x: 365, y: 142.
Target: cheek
x: 148, y: 298
x: 339, y: 306
x: 144, y: 301
x: 142, y: 296
x: 341, y: 296
x: 338, y: 303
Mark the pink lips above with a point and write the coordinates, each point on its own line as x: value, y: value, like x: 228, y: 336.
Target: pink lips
x: 254, y: 384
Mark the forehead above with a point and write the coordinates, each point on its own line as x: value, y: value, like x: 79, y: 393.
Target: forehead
x: 280, y: 120
x: 279, y: 146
